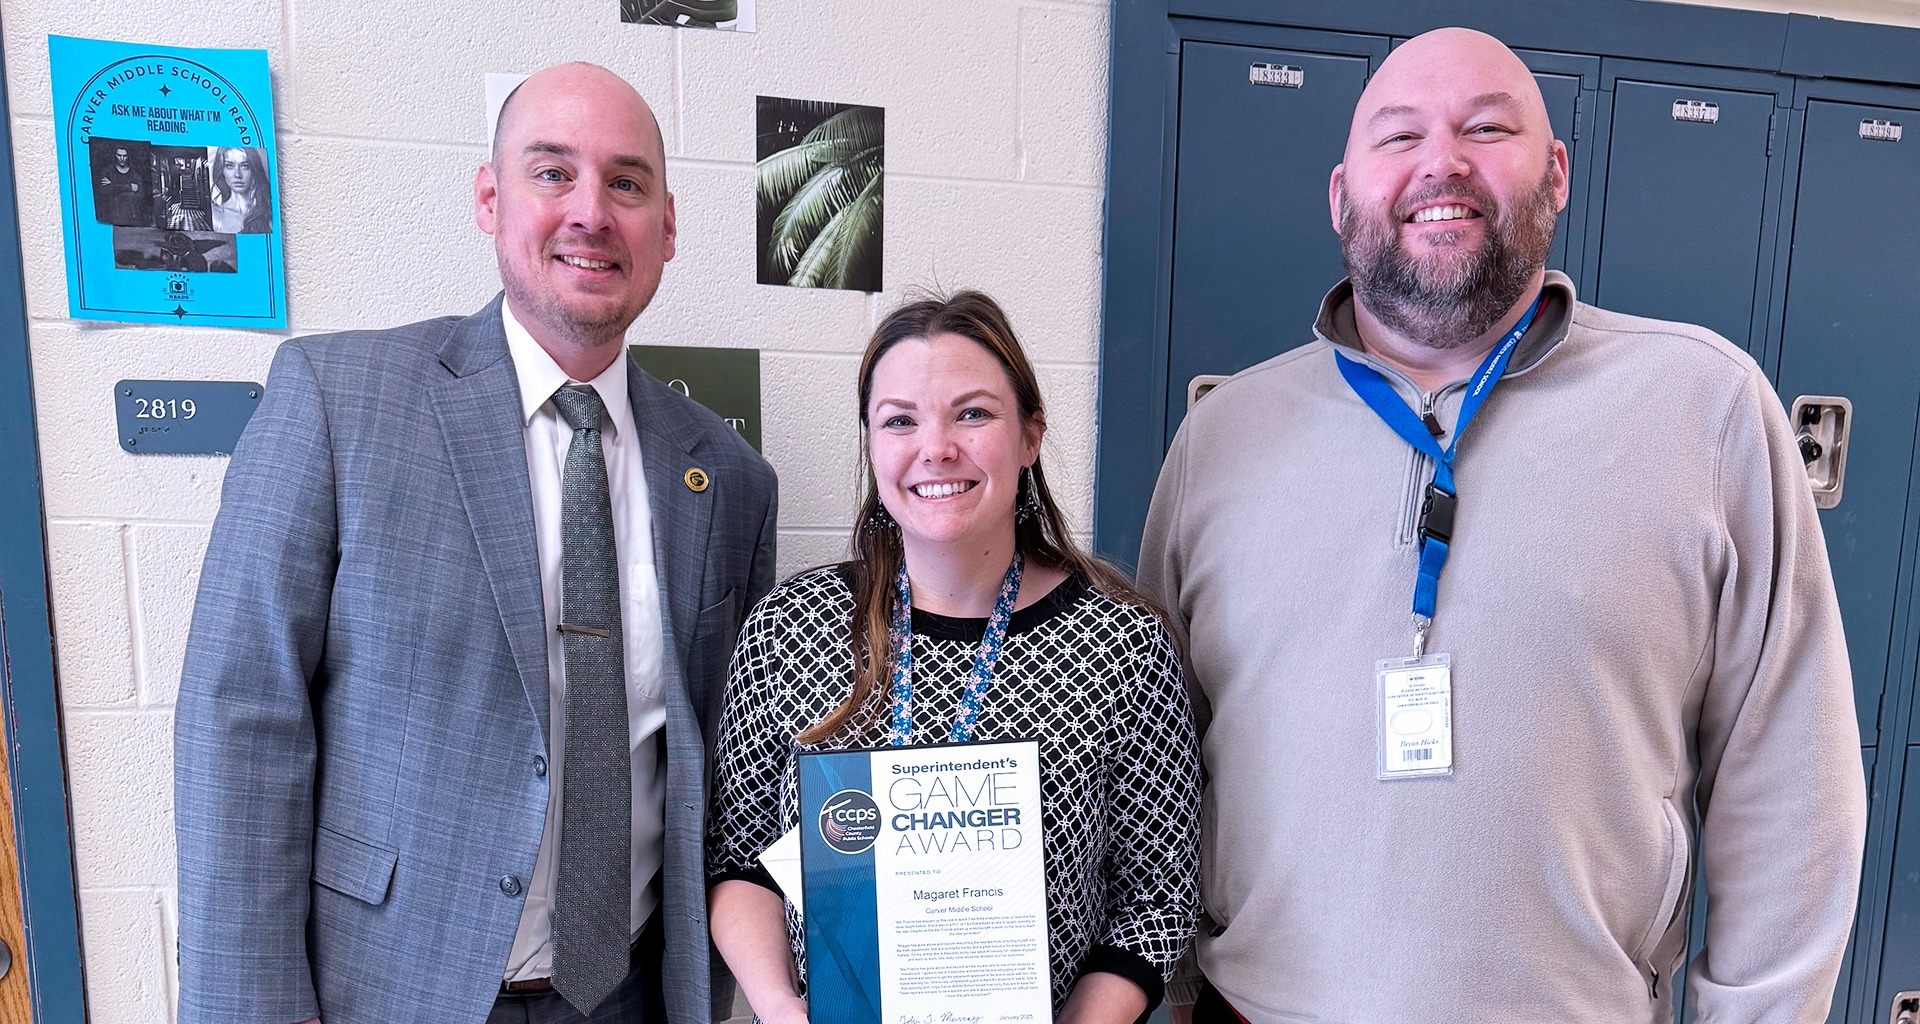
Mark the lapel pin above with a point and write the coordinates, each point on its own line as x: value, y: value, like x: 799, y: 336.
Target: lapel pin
x: 697, y: 480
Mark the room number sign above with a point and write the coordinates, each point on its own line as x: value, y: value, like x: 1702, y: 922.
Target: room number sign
x: 183, y: 417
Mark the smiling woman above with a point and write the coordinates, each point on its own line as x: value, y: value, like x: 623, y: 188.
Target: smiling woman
x: 968, y: 613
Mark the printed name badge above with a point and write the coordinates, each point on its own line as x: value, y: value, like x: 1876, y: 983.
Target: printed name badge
x: 1416, y: 716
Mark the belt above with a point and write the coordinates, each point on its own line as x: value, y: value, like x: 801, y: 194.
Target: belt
x: 648, y: 942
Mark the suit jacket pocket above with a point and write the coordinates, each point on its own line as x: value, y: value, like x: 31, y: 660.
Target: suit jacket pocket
x: 713, y: 635
x: 719, y: 618
x: 352, y: 867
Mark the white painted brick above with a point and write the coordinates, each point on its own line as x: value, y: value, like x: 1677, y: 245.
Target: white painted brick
x: 166, y: 570
x: 708, y: 295
x: 1063, y: 96
x: 800, y: 551
x: 1068, y: 449
x: 168, y: 22
x: 1035, y: 250
x: 126, y: 952
x: 944, y: 71
x: 83, y: 469
x: 88, y: 579
x: 382, y: 234
x: 120, y: 781
x: 169, y: 942
x: 417, y: 71
x: 37, y: 186
x: 812, y: 436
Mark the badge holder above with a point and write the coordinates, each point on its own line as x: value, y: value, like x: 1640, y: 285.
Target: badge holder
x: 1415, y: 716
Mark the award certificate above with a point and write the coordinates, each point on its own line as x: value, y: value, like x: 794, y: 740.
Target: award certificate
x: 924, y: 885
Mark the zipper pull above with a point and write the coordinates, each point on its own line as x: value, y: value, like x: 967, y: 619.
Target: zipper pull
x: 1427, y: 418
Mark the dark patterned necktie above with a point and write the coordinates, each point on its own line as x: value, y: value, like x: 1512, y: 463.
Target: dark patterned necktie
x: 591, y: 905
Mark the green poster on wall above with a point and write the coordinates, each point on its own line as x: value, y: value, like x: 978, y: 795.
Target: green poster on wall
x: 726, y: 380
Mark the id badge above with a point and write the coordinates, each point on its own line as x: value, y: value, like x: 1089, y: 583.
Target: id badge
x: 1416, y: 716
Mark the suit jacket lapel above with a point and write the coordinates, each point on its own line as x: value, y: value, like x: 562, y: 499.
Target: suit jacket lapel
x: 479, y: 415
x: 681, y: 515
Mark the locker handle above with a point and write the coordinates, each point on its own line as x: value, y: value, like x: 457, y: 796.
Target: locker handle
x: 1822, y: 424
x: 1906, y: 1009
x: 1198, y: 387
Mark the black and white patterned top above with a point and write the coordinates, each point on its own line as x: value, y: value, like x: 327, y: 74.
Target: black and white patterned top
x: 1096, y: 681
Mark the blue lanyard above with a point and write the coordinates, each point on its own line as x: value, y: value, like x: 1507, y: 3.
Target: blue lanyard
x: 984, y: 658
x: 1436, y: 511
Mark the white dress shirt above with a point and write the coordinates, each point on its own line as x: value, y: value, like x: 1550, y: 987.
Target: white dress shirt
x: 643, y: 639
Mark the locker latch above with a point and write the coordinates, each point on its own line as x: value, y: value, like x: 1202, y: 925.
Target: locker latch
x: 1821, y: 424
x: 1906, y: 1009
x: 1198, y: 387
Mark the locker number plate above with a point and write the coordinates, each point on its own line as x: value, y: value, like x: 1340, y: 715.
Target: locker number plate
x: 1880, y: 131
x: 1698, y: 111
x: 1285, y: 76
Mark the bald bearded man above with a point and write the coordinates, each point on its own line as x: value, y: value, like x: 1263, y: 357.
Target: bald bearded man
x: 1485, y: 810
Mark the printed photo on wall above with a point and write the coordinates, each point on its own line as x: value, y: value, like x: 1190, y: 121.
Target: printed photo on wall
x: 818, y: 188
x: 122, y: 181
x: 181, y: 194
x: 180, y: 252
x: 242, y: 199
x: 725, y: 15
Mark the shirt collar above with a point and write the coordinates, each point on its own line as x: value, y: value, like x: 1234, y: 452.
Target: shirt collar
x: 540, y: 377
x: 1335, y: 324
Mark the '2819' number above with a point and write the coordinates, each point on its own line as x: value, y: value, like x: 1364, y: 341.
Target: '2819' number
x: 164, y: 408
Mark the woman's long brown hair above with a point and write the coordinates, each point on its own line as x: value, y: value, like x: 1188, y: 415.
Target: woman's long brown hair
x: 1043, y: 538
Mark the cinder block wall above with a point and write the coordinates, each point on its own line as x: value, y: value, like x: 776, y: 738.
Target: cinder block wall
x: 996, y: 123
x: 996, y: 115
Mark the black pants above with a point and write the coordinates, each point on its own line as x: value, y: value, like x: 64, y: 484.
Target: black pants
x: 636, y: 1000
x: 1212, y: 1008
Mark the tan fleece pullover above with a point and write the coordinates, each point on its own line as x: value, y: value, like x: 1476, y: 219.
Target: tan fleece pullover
x: 1640, y: 615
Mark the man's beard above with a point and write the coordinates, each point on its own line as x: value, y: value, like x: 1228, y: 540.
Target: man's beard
x: 1450, y: 298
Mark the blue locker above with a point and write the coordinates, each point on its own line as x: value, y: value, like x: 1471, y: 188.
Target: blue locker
x: 1562, y: 93
x: 1900, y: 959
x: 1253, y: 247
x: 1851, y: 288
x: 1679, y: 232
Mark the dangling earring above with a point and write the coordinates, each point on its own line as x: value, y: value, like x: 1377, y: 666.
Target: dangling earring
x: 879, y: 520
x: 1027, y: 505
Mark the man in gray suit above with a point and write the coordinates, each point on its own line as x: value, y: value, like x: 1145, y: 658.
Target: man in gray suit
x: 440, y: 744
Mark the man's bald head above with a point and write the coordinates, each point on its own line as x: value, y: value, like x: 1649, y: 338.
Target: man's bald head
x: 1450, y: 63
x: 559, y: 77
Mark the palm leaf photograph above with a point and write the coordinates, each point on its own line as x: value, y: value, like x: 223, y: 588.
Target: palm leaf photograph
x: 817, y: 186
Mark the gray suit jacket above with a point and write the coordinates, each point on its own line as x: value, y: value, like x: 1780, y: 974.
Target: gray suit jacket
x: 365, y: 693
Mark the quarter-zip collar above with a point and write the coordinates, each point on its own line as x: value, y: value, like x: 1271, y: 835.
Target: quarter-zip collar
x: 1335, y: 326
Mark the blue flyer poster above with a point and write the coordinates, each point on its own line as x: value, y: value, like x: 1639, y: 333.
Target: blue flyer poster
x: 167, y: 180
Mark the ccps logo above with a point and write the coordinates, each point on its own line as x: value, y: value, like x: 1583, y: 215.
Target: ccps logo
x: 850, y: 821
